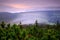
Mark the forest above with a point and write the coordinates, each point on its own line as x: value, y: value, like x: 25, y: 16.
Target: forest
x: 29, y: 32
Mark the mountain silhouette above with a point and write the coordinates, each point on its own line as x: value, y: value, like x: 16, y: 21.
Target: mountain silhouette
x: 52, y: 16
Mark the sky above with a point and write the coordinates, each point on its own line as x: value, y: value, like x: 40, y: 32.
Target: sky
x: 34, y: 6
x: 28, y: 5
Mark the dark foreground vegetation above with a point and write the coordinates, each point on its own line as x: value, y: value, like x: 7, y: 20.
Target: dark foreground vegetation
x: 31, y: 32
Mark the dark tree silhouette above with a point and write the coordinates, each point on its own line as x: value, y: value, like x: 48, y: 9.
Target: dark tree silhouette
x: 36, y: 23
x: 8, y: 25
x: 3, y: 24
x: 20, y: 25
x: 57, y: 23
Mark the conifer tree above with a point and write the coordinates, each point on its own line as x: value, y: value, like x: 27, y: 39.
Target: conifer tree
x: 36, y: 23
x: 20, y: 25
x: 57, y: 25
x: 2, y: 24
x: 8, y: 25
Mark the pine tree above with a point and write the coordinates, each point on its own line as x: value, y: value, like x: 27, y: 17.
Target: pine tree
x: 8, y: 25
x: 57, y: 25
x: 3, y: 24
x: 36, y: 23
x: 20, y: 25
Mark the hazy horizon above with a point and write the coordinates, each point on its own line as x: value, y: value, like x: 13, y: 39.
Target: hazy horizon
x: 27, y: 11
x: 46, y: 17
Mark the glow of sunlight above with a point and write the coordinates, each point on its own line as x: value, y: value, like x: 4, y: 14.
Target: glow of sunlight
x: 18, y: 6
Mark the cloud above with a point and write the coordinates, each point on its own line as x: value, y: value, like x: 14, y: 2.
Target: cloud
x: 27, y: 18
x: 18, y: 6
x: 25, y: 5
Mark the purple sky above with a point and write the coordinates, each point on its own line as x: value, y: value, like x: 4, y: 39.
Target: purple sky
x: 28, y: 5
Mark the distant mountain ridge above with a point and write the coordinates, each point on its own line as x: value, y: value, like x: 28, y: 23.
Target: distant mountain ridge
x: 9, y: 17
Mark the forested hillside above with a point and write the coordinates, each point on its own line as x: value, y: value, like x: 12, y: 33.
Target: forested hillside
x: 31, y: 32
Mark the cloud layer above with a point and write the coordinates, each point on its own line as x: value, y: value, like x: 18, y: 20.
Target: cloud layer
x: 28, y: 5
